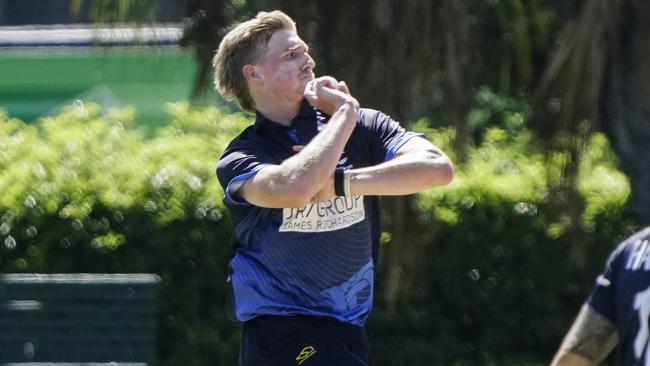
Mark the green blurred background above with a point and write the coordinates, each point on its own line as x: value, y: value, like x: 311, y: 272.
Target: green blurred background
x: 38, y: 82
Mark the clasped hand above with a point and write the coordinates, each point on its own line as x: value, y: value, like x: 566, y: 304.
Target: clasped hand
x: 328, y: 95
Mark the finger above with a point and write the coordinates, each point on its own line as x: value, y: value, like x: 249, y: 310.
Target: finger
x: 297, y: 148
x: 344, y: 87
x: 311, y: 87
x: 310, y: 90
x: 327, y: 82
x: 327, y: 93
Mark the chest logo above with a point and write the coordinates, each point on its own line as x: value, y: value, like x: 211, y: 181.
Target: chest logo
x: 334, y: 214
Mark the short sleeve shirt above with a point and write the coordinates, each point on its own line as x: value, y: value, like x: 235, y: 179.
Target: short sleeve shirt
x: 622, y: 295
x: 314, y: 260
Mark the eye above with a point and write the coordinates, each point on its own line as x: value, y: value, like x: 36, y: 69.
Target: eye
x: 291, y: 54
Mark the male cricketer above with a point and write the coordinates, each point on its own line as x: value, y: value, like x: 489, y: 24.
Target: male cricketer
x: 616, y: 312
x: 301, y: 186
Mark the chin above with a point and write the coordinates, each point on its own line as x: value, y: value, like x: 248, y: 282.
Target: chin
x: 303, y: 84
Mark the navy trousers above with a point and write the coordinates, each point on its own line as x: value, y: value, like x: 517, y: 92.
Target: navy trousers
x: 303, y: 341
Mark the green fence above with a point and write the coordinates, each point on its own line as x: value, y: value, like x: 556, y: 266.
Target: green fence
x: 78, y: 317
x: 38, y: 81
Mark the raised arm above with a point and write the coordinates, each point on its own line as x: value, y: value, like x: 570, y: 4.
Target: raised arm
x: 295, y: 181
x: 590, y: 339
x: 416, y: 166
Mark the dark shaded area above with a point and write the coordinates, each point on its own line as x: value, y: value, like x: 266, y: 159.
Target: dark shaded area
x: 49, y: 12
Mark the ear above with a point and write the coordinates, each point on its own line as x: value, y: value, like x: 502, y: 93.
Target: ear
x: 251, y: 73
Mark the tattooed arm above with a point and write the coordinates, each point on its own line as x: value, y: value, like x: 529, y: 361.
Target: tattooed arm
x: 588, y: 342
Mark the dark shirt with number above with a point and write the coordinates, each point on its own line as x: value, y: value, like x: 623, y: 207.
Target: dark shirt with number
x: 622, y: 295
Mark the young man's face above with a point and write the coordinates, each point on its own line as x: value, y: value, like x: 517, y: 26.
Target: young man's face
x: 287, y: 66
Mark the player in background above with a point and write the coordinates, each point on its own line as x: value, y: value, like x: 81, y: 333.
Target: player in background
x: 616, y: 313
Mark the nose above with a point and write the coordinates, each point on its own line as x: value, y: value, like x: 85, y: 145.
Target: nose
x: 310, y: 64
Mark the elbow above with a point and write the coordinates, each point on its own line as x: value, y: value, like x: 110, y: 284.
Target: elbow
x: 447, y: 173
x: 441, y: 172
x: 286, y: 190
x: 296, y: 195
x: 296, y: 201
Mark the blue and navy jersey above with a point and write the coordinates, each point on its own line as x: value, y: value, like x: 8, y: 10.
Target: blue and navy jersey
x: 622, y: 295
x: 314, y: 260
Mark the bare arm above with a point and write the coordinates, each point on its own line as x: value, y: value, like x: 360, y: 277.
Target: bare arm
x: 590, y: 339
x: 296, y: 180
x: 417, y: 165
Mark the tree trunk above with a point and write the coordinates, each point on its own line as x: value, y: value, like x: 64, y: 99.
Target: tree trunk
x: 402, y: 261
x: 626, y: 104
x: 457, y: 94
x: 569, y: 95
x: 203, y: 33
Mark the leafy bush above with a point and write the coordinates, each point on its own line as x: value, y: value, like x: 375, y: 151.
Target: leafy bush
x: 85, y: 191
x: 505, y: 281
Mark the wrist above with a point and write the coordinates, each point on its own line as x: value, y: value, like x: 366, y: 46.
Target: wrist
x: 339, y: 182
x: 347, y: 178
x: 348, y: 104
x: 342, y: 179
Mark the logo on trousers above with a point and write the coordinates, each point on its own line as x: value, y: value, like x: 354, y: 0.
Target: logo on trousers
x: 305, y: 353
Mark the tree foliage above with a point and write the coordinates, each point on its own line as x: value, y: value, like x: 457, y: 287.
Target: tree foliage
x: 84, y: 191
x: 493, y: 71
x: 117, y: 11
x: 431, y: 58
x: 582, y: 64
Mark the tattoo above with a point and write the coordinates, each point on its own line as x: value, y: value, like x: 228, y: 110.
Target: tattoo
x: 591, y: 335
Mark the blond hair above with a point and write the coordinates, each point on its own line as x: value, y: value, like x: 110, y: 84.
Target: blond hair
x: 243, y: 45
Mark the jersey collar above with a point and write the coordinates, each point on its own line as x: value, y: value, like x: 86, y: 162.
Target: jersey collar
x: 306, y: 111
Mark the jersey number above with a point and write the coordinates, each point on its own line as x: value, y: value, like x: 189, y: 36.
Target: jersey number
x: 642, y: 305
